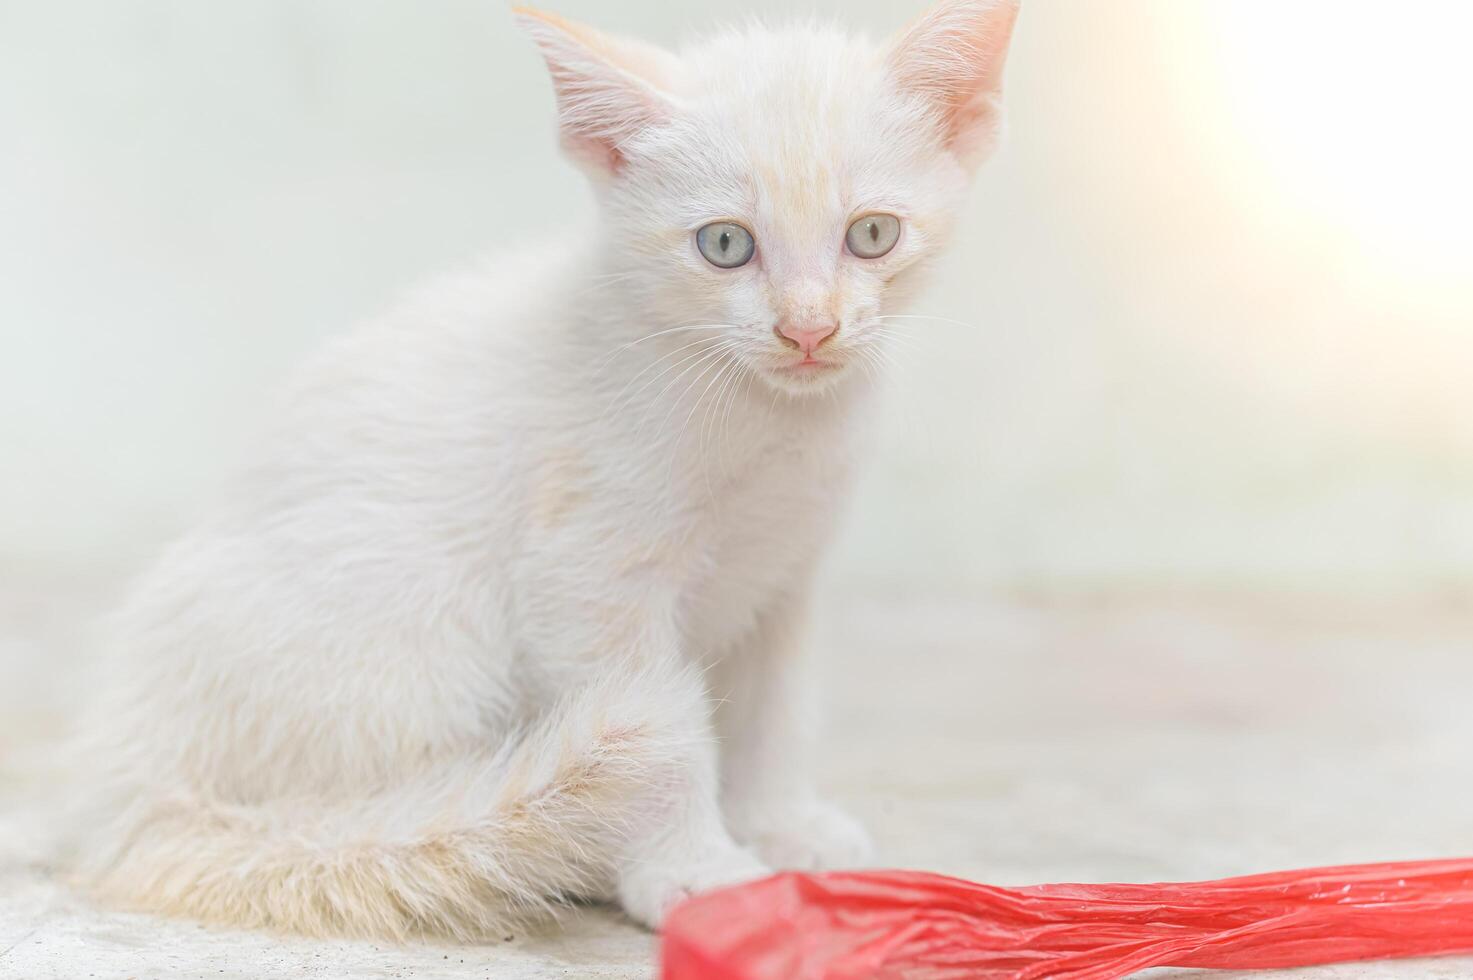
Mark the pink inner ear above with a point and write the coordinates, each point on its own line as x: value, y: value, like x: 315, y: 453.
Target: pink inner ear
x: 954, y: 56
x: 600, y: 155
x: 606, y: 87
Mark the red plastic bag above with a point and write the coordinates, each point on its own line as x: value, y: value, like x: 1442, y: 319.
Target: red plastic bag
x: 904, y: 925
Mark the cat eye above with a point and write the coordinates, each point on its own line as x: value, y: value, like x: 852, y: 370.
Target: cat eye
x: 873, y: 235
x: 725, y: 244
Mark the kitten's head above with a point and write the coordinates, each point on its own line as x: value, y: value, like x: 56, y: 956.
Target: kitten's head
x: 784, y: 185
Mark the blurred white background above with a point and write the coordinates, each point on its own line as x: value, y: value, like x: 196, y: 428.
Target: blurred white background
x: 1218, y: 283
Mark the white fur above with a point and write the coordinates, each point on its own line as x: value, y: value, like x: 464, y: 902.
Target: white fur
x: 460, y: 643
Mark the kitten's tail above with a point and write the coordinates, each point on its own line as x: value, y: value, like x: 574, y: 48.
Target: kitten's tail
x: 484, y: 844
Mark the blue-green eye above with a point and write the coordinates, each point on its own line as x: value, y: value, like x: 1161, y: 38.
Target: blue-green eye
x: 873, y: 235
x: 725, y: 244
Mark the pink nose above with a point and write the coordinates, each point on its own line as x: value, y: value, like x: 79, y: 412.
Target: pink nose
x: 804, y: 337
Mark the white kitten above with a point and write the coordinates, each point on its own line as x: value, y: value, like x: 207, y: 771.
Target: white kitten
x: 508, y: 610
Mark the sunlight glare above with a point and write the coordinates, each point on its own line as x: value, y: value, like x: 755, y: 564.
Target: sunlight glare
x: 1362, y: 111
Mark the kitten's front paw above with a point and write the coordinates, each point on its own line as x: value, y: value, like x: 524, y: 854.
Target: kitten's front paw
x: 810, y: 837
x: 649, y: 889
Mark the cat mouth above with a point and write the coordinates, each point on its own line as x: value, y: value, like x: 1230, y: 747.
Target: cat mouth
x: 810, y: 363
x: 806, y: 372
x: 807, y: 369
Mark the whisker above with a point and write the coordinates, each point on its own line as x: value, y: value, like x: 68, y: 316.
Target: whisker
x: 712, y: 355
x: 726, y: 373
x: 903, y: 340
x: 730, y: 390
x: 925, y: 316
x: 867, y: 364
x: 708, y: 416
x: 772, y: 406
x: 746, y: 383
x: 602, y: 282
x: 881, y: 330
x: 683, y: 328
x: 710, y: 345
x: 885, y: 358
x: 695, y: 360
x: 714, y: 350
x: 685, y: 425
x: 707, y: 341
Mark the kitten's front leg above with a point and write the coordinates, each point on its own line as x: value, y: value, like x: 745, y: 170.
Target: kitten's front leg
x: 676, y: 843
x: 766, y: 721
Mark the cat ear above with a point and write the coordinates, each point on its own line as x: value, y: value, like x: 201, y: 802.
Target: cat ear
x: 608, y: 89
x: 953, y: 58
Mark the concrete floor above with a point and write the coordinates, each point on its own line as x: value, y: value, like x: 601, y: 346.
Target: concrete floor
x: 1007, y: 739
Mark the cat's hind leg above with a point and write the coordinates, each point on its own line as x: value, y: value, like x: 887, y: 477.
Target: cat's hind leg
x: 612, y: 794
